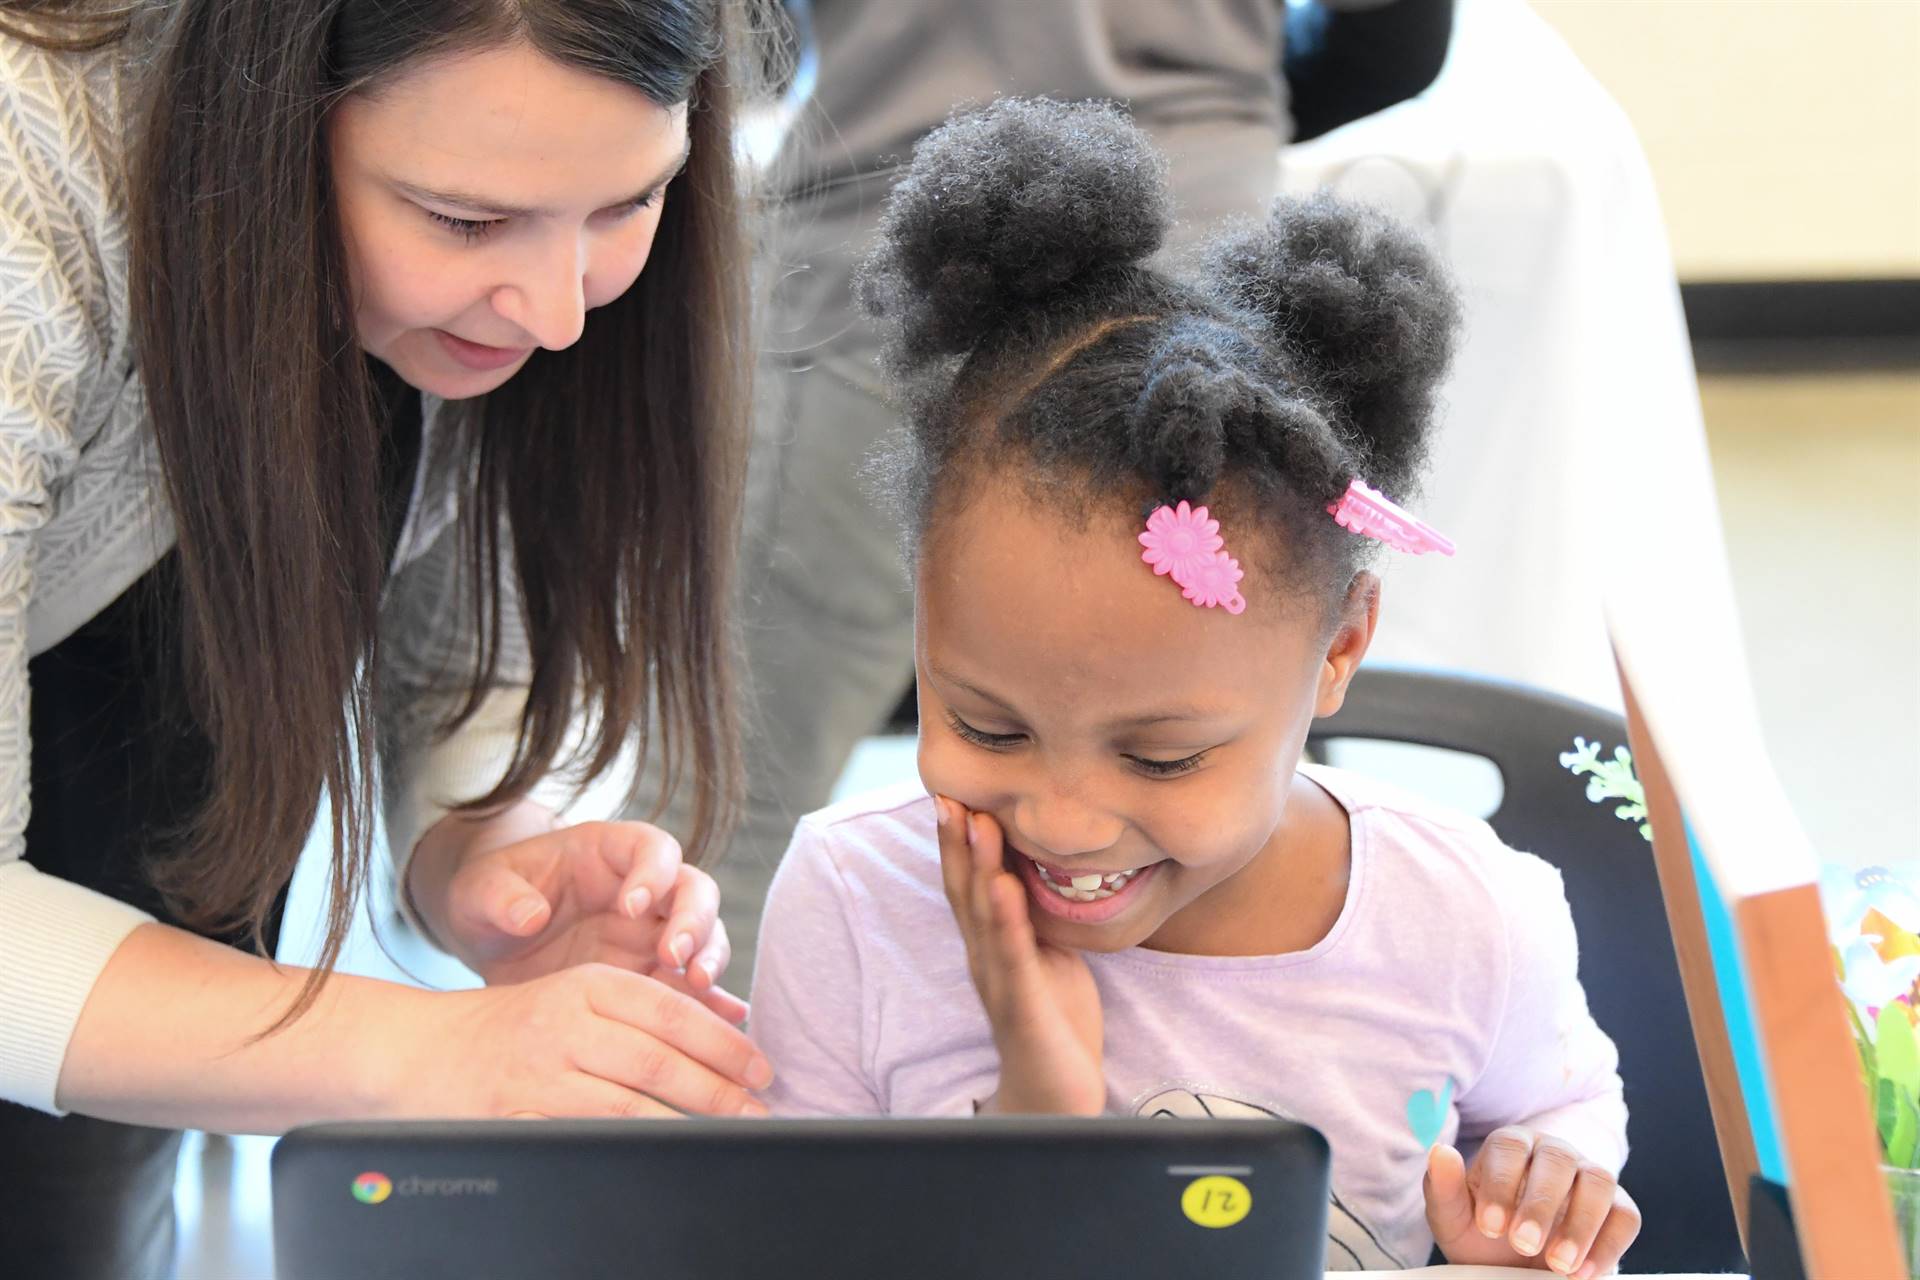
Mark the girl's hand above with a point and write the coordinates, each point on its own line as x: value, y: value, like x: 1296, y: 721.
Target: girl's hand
x: 612, y: 893
x: 1529, y: 1201
x: 593, y: 1040
x: 1040, y: 999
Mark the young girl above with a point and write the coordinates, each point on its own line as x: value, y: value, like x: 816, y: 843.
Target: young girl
x: 1134, y: 596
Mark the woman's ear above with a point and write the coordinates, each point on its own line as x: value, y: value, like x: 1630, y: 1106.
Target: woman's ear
x: 1353, y: 633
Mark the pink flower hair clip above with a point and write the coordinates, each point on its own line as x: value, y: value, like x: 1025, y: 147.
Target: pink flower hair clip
x: 1184, y: 543
x: 1370, y: 513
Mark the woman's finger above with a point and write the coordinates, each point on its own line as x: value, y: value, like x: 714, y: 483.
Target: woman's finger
x: 680, y: 1022
x: 489, y: 896
x: 587, y: 1096
x: 629, y: 865
x: 692, y: 913
x: 713, y: 959
x: 636, y: 1060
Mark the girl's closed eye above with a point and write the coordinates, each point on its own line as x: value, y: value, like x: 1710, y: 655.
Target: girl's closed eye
x: 980, y: 737
x: 1168, y: 768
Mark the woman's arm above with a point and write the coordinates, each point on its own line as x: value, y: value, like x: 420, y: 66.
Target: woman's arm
x: 170, y: 1035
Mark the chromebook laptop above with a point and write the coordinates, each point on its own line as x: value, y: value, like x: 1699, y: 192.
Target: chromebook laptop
x: 713, y: 1200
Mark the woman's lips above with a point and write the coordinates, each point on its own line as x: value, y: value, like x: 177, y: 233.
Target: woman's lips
x: 476, y: 356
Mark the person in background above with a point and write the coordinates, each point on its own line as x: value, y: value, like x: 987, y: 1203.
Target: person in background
x: 828, y: 614
x: 372, y: 419
x: 1142, y: 505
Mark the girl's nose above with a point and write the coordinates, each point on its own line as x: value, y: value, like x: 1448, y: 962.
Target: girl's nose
x: 1055, y: 824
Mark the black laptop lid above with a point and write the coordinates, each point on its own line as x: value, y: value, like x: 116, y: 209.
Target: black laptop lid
x: 710, y: 1200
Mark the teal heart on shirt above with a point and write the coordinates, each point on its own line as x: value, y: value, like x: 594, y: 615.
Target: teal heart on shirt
x: 1427, y: 1115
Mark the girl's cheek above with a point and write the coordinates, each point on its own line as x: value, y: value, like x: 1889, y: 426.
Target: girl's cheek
x: 960, y: 772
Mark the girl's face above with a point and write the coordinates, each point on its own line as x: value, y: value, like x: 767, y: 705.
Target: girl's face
x: 1115, y: 730
x: 489, y: 200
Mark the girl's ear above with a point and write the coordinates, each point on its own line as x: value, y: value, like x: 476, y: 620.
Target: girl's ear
x: 1359, y: 614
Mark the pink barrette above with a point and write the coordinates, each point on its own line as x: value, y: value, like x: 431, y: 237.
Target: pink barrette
x: 1184, y: 543
x: 1372, y: 514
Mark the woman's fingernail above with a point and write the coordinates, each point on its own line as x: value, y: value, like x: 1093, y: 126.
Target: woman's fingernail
x: 712, y: 970
x: 522, y: 912
x: 682, y: 949
x: 638, y: 901
x: 1526, y: 1238
x: 754, y: 1109
x: 1563, y: 1257
x: 1492, y: 1220
x: 759, y: 1073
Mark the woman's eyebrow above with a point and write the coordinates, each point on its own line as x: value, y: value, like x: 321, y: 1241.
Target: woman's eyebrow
x: 505, y: 209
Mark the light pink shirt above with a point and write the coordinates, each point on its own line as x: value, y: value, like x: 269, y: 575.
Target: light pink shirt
x: 1450, y: 975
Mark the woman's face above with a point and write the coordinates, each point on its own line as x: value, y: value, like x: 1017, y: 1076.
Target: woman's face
x: 1112, y: 727
x: 488, y: 200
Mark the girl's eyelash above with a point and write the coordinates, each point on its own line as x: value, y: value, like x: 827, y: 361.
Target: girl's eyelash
x: 1170, y: 768
x: 1000, y: 741
x: 978, y: 737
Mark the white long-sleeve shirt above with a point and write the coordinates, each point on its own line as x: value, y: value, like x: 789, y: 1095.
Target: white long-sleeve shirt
x: 83, y: 517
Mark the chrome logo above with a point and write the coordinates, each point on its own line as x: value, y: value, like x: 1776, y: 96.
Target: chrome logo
x: 372, y: 1188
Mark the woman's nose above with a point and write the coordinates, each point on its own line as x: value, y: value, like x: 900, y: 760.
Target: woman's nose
x: 549, y: 300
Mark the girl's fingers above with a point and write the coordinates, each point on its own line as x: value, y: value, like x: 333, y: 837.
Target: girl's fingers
x: 983, y: 843
x: 1449, y: 1202
x: 1619, y: 1230
x: 1498, y: 1173
x: 692, y: 915
x: 1550, y: 1175
x: 956, y: 861
x: 1588, y: 1205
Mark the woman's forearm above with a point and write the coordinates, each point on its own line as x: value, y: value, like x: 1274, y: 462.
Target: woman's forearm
x: 169, y: 1037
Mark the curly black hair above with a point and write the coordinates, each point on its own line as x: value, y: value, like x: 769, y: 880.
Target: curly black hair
x: 1025, y: 326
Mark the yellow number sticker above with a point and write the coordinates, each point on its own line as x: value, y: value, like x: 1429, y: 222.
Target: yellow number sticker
x: 1216, y: 1201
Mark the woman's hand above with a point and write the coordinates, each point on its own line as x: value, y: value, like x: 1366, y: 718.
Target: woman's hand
x: 517, y: 899
x: 593, y: 1040
x: 1040, y: 999
x: 1530, y: 1200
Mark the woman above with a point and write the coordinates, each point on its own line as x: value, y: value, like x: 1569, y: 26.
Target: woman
x: 346, y: 451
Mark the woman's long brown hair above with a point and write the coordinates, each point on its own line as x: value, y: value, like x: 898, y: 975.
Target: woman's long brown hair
x: 608, y: 474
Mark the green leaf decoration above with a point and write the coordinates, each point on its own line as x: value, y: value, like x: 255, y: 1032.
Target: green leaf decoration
x: 1610, y: 780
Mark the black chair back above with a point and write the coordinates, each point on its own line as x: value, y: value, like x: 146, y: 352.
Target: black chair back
x: 1627, y: 959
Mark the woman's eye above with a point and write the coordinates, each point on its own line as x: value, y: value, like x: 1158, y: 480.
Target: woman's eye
x: 1169, y: 768
x: 979, y: 737
x: 471, y: 229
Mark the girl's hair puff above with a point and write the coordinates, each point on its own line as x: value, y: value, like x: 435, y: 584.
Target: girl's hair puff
x: 1026, y: 323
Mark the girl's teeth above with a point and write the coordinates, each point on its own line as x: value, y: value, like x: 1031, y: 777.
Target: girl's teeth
x: 1087, y: 888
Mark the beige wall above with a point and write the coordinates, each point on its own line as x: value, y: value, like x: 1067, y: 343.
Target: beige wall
x: 1784, y: 134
